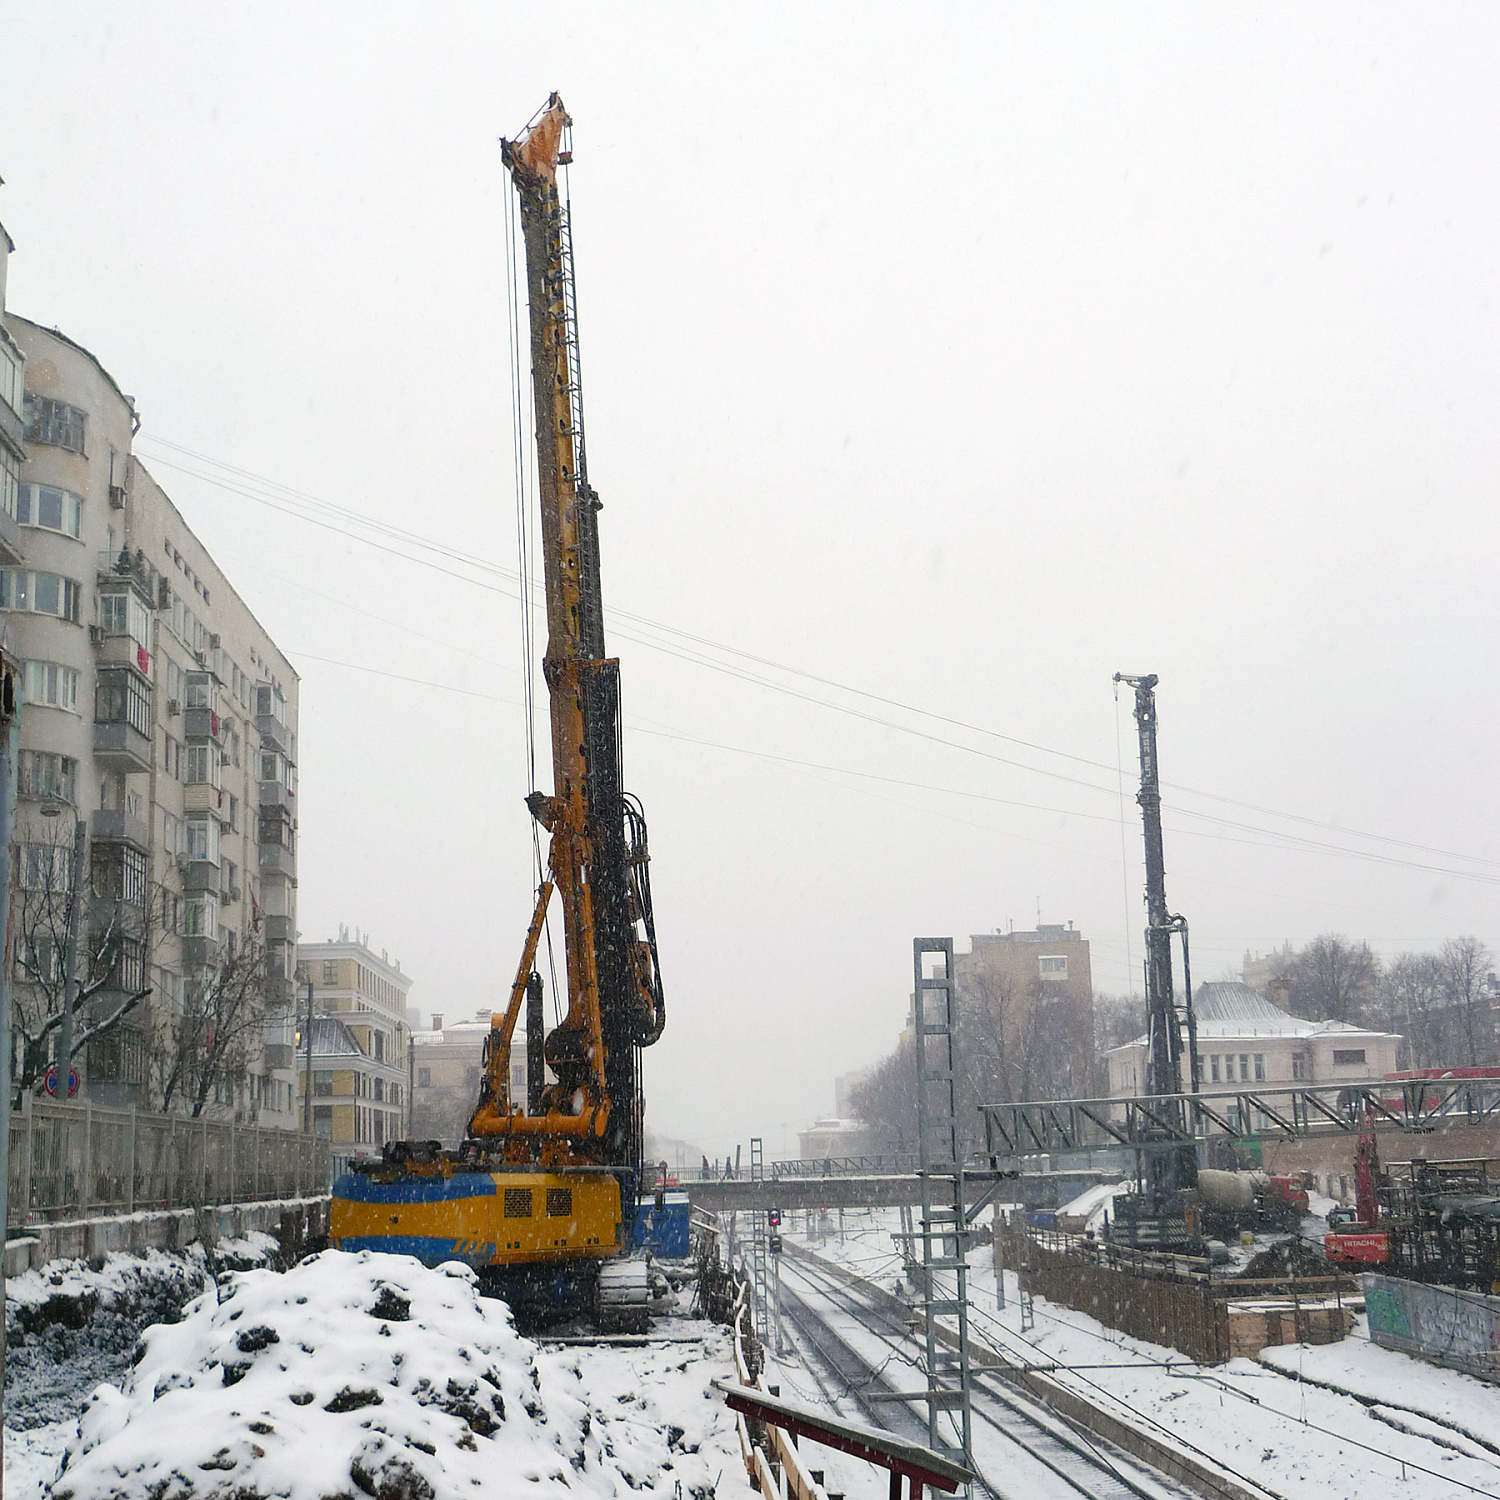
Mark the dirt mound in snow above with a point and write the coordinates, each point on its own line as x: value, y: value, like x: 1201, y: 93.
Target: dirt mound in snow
x: 1288, y: 1258
x: 360, y: 1375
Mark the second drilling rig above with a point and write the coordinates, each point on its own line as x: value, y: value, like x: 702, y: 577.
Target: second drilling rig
x: 1161, y: 1215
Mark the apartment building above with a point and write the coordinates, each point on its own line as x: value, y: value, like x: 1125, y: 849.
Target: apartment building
x: 157, y: 710
x: 446, y: 1065
x: 361, y: 1044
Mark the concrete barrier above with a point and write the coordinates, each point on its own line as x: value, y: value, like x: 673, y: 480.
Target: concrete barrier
x: 295, y: 1222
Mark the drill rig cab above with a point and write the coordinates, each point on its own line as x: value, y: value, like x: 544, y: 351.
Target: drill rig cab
x: 543, y: 1191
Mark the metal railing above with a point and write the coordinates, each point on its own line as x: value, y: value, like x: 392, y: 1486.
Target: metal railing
x: 846, y: 1166
x: 70, y: 1161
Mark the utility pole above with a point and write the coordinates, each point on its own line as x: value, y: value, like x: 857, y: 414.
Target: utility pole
x: 1170, y: 1169
x: 9, y: 724
x: 307, y: 1079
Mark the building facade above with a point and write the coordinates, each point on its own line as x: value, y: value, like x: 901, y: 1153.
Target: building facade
x: 1028, y: 999
x: 160, y: 713
x: 361, y: 1088
x: 1245, y: 1038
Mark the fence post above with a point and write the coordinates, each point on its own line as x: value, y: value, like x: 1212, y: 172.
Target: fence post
x: 234, y: 1181
x: 202, y: 1160
x: 84, y: 1195
x: 130, y: 1191
x: 26, y: 1156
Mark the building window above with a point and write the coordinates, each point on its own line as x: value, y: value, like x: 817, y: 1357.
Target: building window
x: 119, y: 873
x: 275, y: 828
x: 323, y: 1119
x: 44, y: 867
x: 10, y: 486
x: 322, y: 1084
x: 55, y: 423
x: 202, y: 839
x: 51, y: 683
x: 12, y: 382
x: 1244, y: 1067
x: 1213, y: 1069
x: 49, y: 509
x: 123, y: 698
x: 200, y: 917
x: 424, y: 1078
x: 1350, y: 1058
x: 121, y: 612
x: 201, y: 765
x: 1054, y: 967
x: 1299, y: 1066
x: 43, y: 774
x: 40, y: 593
x: 330, y: 971
x: 1260, y: 1067
x: 201, y: 692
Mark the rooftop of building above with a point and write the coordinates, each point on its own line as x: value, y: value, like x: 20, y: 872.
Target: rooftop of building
x: 1046, y: 932
x: 62, y: 338
x: 1229, y: 1010
x: 357, y: 948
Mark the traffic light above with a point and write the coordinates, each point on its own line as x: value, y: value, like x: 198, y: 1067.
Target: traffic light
x: 774, y: 1218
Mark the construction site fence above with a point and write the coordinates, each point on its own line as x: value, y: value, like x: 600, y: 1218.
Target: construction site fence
x: 1172, y: 1299
x: 1438, y: 1323
x: 73, y: 1161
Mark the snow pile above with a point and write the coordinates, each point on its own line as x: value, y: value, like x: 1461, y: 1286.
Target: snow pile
x: 70, y: 1325
x: 364, y: 1373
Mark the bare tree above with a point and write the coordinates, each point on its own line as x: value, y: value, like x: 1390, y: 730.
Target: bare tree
x: 115, y: 922
x: 1118, y: 1019
x: 205, y: 1044
x: 1464, y: 966
x: 1332, y: 979
x: 886, y: 1100
x: 1410, y: 1001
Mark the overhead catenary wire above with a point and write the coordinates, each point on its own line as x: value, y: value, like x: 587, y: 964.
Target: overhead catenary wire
x: 692, y: 647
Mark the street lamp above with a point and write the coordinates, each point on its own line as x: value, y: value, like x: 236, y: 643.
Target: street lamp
x: 64, y: 1065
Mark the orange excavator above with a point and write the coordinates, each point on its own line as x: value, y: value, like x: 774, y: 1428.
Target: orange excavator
x: 541, y: 1196
x: 1354, y: 1236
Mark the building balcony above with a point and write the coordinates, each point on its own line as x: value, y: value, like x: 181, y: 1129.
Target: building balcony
x: 279, y: 930
x: 277, y: 860
x: 122, y: 747
x: 202, y: 952
x: 200, y: 797
x: 280, y: 1054
x: 112, y: 825
x: 273, y: 794
x: 273, y: 734
x: 10, y: 533
x: 202, y: 724
x: 198, y: 875
x: 120, y: 651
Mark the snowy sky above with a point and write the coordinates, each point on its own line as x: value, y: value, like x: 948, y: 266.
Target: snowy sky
x: 963, y: 356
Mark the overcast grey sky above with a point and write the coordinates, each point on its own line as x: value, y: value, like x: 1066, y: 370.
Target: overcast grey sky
x: 964, y: 355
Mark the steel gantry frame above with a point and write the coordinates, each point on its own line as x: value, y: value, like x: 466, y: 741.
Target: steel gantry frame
x: 1276, y: 1111
x: 760, y: 1250
x: 943, y: 1231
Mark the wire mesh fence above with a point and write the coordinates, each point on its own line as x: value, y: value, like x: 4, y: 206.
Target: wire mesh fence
x: 72, y: 1161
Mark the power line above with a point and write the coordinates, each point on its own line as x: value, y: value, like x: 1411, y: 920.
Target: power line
x: 296, y: 500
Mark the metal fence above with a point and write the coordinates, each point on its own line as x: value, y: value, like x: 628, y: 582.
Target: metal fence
x: 70, y: 1161
x: 1459, y: 1329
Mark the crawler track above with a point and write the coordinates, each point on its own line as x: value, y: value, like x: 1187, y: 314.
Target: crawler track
x: 813, y: 1297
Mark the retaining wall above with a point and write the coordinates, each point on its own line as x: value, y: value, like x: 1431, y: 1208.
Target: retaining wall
x: 298, y: 1223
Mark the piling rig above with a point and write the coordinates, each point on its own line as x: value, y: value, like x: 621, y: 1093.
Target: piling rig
x: 543, y: 1191
x: 1161, y: 1213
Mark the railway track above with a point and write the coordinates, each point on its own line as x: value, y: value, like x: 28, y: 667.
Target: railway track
x: 819, y: 1305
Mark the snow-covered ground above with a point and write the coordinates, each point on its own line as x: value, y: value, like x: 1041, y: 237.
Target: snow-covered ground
x: 1292, y: 1437
x: 371, y: 1373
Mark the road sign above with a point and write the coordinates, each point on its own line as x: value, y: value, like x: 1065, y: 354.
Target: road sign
x: 50, y: 1082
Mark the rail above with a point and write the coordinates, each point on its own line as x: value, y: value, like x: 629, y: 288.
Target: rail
x: 70, y: 1161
